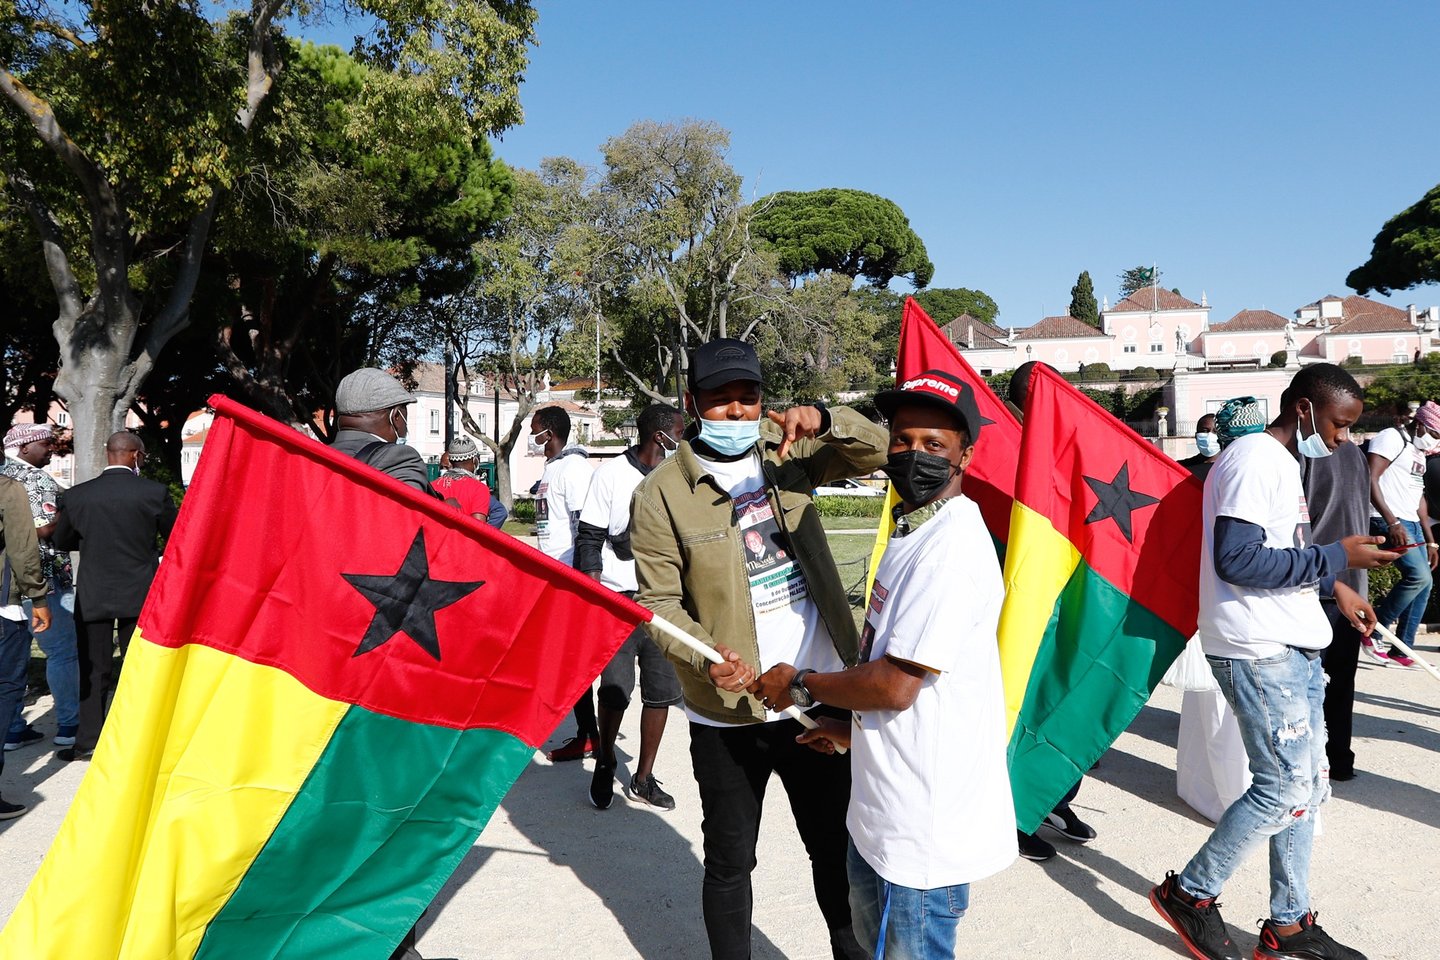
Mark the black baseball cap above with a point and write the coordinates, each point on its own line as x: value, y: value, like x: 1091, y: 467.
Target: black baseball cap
x: 721, y: 361
x: 935, y: 388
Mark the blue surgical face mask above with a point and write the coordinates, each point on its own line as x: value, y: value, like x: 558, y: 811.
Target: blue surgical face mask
x: 730, y: 438
x: 669, y: 451
x: 1313, y: 446
x: 1207, y: 443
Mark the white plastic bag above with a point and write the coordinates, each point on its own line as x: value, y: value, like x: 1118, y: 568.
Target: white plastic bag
x: 1211, y: 769
x: 1191, y: 671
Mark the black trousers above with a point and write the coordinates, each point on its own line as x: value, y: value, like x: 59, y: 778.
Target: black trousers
x: 96, y: 640
x: 1340, y: 660
x: 732, y: 768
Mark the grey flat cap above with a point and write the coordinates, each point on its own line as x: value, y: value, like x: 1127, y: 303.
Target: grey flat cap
x: 367, y: 389
x: 462, y: 448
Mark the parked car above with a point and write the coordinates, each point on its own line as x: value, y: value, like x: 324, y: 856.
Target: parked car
x: 849, y: 488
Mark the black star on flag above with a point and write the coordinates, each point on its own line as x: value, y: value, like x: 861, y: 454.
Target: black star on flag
x: 407, y: 601
x: 1117, y: 501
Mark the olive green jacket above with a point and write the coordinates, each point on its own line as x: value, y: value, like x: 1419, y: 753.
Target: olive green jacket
x: 690, y: 562
x: 22, y: 549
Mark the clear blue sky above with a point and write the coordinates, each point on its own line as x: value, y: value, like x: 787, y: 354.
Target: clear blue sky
x: 1251, y: 149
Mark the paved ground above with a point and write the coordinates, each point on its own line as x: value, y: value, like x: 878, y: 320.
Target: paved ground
x: 552, y: 877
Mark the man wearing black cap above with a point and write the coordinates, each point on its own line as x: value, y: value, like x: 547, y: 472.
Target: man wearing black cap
x: 930, y: 805
x: 728, y: 546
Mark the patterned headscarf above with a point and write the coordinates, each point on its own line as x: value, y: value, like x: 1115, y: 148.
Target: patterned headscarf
x: 23, y: 433
x: 1429, y: 415
x: 1236, y: 418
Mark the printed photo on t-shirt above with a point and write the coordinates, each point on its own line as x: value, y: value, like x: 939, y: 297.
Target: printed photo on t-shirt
x: 878, y: 595
x: 776, y: 580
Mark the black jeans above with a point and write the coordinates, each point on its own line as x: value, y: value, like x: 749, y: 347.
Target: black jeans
x: 732, y: 768
x: 1339, y: 660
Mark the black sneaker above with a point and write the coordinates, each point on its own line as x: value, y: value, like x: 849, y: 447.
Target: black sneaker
x: 602, y: 786
x: 1064, y: 822
x: 71, y: 754
x: 9, y: 811
x: 648, y: 791
x: 1033, y: 848
x: 1197, y: 921
x: 1311, y: 943
x: 24, y: 738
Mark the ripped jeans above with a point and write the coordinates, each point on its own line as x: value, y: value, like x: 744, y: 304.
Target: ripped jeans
x: 1279, y: 703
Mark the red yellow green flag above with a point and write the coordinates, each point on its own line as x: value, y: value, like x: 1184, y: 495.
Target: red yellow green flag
x: 334, y: 681
x: 1101, y: 583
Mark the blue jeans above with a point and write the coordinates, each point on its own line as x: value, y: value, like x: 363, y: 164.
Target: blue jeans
x: 14, y: 658
x: 1407, y: 600
x: 62, y: 661
x: 1279, y: 703
x: 917, y: 924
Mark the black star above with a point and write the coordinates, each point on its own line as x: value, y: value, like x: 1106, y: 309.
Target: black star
x: 406, y: 602
x: 1117, y: 501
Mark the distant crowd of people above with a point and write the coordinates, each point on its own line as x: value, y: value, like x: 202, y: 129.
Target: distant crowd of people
x: 900, y: 791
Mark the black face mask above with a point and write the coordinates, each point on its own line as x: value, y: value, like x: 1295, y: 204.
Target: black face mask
x: 918, y: 477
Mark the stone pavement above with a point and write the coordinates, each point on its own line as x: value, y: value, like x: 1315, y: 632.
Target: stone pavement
x: 553, y: 877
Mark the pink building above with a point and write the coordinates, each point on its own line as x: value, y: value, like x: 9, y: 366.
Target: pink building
x: 1062, y: 342
x: 985, y: 346
x: 1359, y: 327
x: 1251, y: 338
x: 1154, y: 327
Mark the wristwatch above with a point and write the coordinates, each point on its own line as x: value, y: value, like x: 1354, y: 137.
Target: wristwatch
x: 798, y: 693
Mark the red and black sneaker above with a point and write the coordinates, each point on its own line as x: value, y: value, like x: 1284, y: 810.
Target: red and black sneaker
x: 1309, y: 943
x: 1198, y: 922
x: 576, y: 748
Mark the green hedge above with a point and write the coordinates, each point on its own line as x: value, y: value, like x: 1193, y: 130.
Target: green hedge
x: 524, y: 510
x: 849, y: 506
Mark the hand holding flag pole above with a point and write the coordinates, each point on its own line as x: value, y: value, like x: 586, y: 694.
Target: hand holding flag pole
x: 711, y: 654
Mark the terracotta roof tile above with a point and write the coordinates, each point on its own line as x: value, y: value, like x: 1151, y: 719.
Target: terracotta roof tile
x: 1363, y: 315
x: 987, y: 335
x: 1248, y: 321
x: 1146, y: 298
x: 1057, y: 328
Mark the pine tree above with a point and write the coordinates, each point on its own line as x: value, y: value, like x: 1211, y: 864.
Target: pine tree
x: 1082, y: 301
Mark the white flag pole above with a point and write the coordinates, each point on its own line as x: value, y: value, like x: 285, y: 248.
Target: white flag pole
x: 1405, y: 650
x: 713, y: 655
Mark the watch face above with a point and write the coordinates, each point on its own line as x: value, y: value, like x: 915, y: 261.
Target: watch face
x: 798, y: 693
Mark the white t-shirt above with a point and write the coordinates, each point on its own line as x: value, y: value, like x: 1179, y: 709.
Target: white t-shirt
x: 608, y: 506
x: 787, y: 622
x: 562, y: 491
x: 930, y: 802
x: 1257, y: 480
x: 1403, y: 482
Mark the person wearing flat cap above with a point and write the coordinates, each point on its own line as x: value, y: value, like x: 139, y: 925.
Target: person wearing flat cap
x: 371, y: 407
x: 728, y: 546
x: 930, y: 804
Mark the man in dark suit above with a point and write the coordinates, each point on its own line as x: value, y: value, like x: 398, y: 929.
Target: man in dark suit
x: 373, y: 425
x: 115, y: 522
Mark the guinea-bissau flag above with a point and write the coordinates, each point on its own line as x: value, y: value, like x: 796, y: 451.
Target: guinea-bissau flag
x: 1101, y: 586
x: 334, y: 681
x: 990, y: 480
